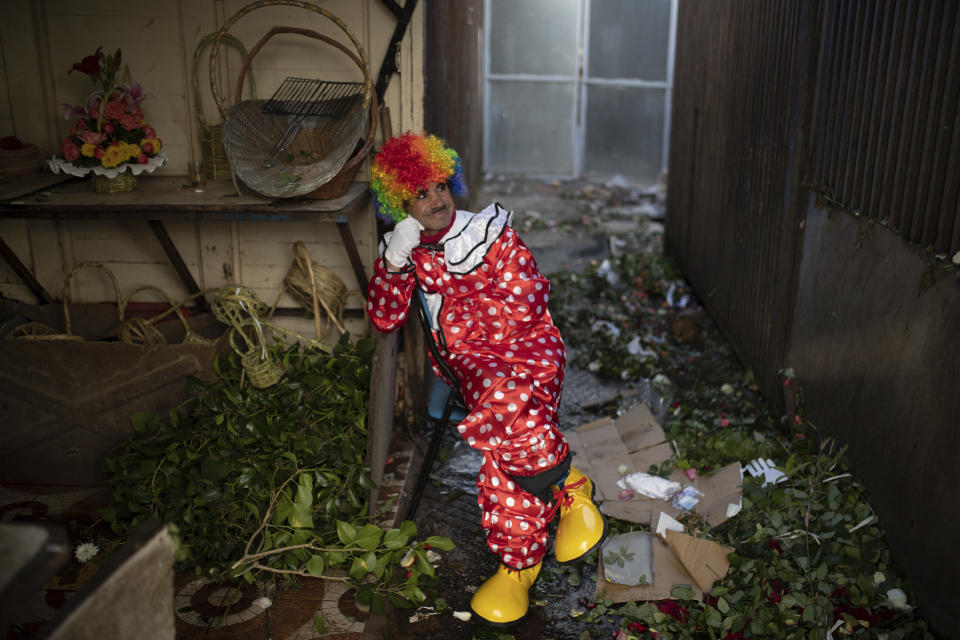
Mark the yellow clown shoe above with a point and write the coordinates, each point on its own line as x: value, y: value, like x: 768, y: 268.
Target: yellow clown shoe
x: 504, y: 598
x: 581, y: 528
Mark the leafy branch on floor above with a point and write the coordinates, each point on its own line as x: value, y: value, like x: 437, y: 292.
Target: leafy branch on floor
x: 274, y: 477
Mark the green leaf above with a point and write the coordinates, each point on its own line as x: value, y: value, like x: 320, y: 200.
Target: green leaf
x: 723, y: 606
x: 440, y: 542
x: 301, y: 516
x: 369, y: 537
x: 399, y: 601
x: 395, y: 539
x: 315, y: 565
x: 369, y: 562
x: 216, y: 470
x: 320, y: 625
x: 306, y: 480
x: 423, y: 565
x: 357, y: 569
x: 282, y: 511
x: 304, y: 495
x: 409, y: 528
x: 713, y: 617
x: 346, y: 532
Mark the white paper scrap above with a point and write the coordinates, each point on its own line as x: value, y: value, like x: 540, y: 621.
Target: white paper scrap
x: 648, y: 485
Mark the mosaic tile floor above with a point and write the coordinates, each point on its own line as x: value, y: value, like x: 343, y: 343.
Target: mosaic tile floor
x: 202, y: 609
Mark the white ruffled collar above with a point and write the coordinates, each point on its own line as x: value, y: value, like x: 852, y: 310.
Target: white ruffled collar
x: 469, y: 239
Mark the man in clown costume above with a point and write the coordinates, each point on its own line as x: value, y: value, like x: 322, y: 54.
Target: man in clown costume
x: 488, y: 308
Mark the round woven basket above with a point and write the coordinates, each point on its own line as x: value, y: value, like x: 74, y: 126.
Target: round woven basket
x: 213, y: 159
x: 281, y: 155
x: 339, y: 183
x: 42, y: 332
x: 123, y: 182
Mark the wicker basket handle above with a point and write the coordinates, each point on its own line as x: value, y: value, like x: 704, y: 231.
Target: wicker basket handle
x: 297, y: 30
x: 66, y: 292
x: 214, y: 52
x: 197, y: 54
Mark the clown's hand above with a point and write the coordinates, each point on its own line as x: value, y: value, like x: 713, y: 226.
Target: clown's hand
x: 406, y: 236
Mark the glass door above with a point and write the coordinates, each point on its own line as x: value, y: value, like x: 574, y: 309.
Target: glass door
x: 579, y: 87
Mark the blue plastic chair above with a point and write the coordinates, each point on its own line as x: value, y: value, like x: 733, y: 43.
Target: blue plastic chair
x: 444, y: 406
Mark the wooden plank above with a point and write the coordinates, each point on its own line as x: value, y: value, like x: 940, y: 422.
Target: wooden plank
x: 13, y: 189
x: 382, y: 401
x: 173, y: 198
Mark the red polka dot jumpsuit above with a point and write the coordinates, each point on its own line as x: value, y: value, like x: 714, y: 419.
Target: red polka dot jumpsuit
x: 489, y: 305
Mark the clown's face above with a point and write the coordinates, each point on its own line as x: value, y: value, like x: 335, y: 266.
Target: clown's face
x: 432, y: 206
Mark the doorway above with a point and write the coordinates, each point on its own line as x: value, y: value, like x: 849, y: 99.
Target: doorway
x: 578, y: 88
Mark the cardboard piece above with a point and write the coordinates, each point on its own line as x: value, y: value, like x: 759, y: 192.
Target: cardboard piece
x: 705, y: 560
x: 668, y: 572
x: 636, y: 441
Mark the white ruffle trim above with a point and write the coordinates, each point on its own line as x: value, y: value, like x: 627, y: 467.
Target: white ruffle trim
x: 471, y: 237
x: 58, y: 165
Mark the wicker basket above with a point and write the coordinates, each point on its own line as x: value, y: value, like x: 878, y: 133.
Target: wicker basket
x: 144, y: 331
x: 314, y: 154
x: 213, y: 159
x: 42, y: 332
x: 125, y: 181
x: 341, y: 182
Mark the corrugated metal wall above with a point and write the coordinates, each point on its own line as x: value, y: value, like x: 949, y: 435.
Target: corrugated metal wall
x: 742, y: 96
x: 855, y: 100
x: 887, y: 133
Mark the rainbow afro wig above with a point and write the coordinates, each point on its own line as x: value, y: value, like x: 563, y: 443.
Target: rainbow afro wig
x: 408, y: 163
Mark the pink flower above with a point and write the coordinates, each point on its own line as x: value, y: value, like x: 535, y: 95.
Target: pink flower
x: 128, y: 122
x: 148, y: 147
x: 70, y: 150
x: 92, y: 137
x: 619, y: 634
x: 691, y: 473
x: 98, y: 153
x: 143, y: 159
x: 148, y: 132
x: 108, y: 127
x: 114, y: 110
x: 724, y: 422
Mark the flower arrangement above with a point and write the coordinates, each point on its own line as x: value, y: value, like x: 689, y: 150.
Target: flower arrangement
x: 110, y: 133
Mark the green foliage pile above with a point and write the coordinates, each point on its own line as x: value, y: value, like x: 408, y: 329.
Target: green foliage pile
x: 266, y: 484
x: 810, y: 555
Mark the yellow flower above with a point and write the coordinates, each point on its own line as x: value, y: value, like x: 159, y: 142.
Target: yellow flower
x: 130, y: 151
x: 112, y: 156
x: 87, y: 149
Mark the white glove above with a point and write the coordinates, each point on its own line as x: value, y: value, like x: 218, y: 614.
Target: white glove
x: 406, y: 236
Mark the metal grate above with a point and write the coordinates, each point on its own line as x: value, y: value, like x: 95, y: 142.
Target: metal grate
x: 303, y: 97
